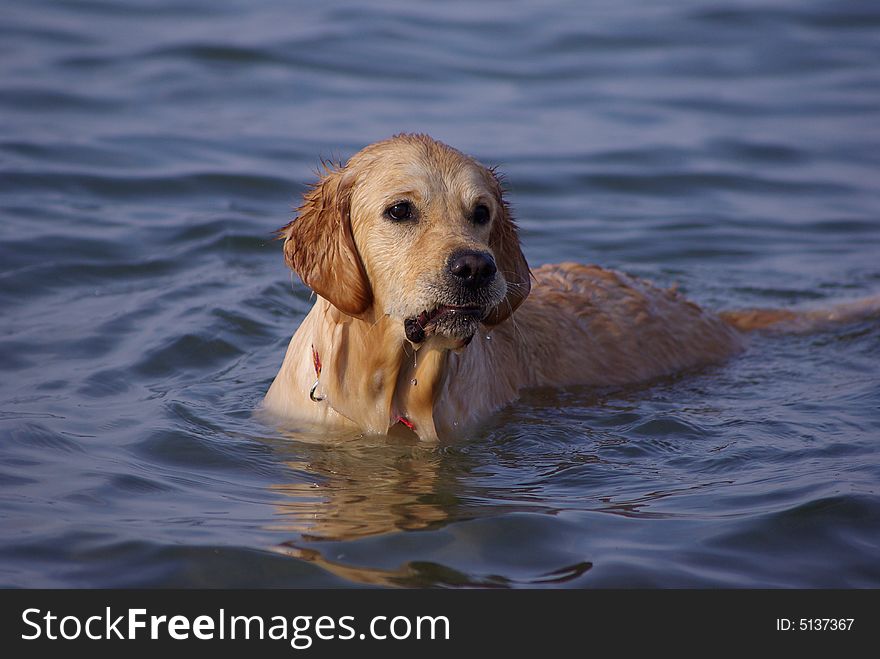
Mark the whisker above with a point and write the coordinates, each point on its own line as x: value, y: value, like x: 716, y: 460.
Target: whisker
x: 373, y: 326
x: 511, y: 316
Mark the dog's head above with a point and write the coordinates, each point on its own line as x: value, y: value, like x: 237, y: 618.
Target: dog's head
x: 415, y: 230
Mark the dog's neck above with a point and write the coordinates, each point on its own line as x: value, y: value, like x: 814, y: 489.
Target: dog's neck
x: 372, y: 375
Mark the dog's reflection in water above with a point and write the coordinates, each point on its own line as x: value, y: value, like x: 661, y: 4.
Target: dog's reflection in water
x: 359, y: 488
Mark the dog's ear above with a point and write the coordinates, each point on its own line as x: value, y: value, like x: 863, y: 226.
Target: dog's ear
x: 504, y: 241
x: 319, y: 245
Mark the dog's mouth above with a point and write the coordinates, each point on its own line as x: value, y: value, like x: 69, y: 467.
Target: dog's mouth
x: 459, y: 321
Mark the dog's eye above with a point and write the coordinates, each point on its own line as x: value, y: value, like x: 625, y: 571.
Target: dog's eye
x: 481, y: 214
x: 400, y: 211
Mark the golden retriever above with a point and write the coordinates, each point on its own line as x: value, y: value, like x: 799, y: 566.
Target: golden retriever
x: 428, y: 317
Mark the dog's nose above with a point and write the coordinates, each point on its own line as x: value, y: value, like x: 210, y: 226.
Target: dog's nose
x: 473, y: 269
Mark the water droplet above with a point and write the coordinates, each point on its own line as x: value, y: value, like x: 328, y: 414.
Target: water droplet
x: 455, y: 423
x: 488, y: 338
x: 413, y: 382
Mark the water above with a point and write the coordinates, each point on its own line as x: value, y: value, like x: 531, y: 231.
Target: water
x: 149, y: 149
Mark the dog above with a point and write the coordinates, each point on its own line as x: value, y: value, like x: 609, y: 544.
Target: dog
x: 428, y: 318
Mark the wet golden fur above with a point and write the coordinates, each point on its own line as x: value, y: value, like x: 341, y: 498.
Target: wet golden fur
x: 557, y: 325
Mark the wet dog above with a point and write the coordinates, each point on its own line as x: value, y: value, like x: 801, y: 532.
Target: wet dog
x: 429, y: 318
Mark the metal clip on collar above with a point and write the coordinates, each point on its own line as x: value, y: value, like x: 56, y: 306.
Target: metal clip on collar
x: 316, y: 360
